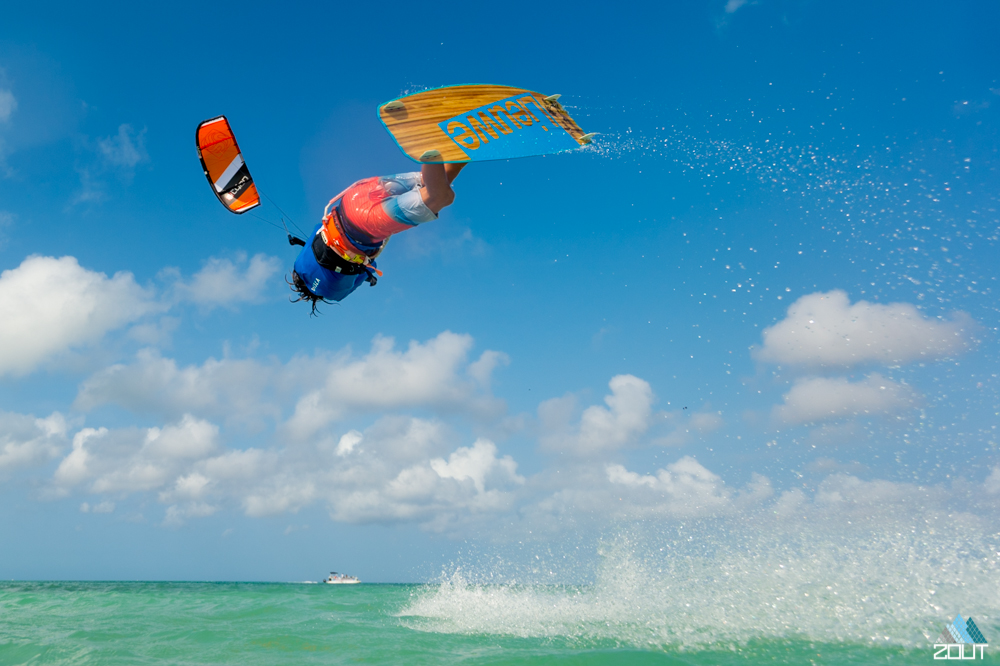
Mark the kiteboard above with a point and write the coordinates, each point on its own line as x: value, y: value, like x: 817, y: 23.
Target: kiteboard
x: 223, y: 164
x: 477, y: 123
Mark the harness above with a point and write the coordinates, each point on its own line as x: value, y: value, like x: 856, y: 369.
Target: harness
x: 331, y: 261
x: 347, y: 249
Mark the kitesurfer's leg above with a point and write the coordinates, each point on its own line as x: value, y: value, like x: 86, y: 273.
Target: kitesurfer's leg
x: 452, y: 170
x: 437, y: 192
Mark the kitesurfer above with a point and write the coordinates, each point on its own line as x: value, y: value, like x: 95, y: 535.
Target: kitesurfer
x: 357, y: 224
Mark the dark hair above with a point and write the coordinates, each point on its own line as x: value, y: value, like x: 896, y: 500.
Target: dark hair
x: 298, y: 285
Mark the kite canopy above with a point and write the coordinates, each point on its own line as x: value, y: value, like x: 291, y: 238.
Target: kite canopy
x: 224, y: 167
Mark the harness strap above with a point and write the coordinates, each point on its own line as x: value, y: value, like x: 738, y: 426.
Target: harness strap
x: 331, y: 261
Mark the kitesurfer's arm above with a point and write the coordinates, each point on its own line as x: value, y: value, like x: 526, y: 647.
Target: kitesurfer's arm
x: 437, y: 192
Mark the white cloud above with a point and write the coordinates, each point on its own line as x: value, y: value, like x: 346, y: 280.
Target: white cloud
x: 49, y: 305
x: 733, y: 5
x: 356, y: 486
x: 476, y: 464
x: 231, y: 388
x: 132, y: 460
x: 192, y: 486
x: 8, y: 104
x: 156, y: 333
x: 824, y: 329
x: 684, y: 488
x: 601, y: 429
x: 399, y: 469
x: 419, y: 470
x: 436, y: 374
x: 224, y: 282
x: 26, y: 441
x: 237, y: 466
x: 126, y: 149
x: 818, y: 399
x: 849, y: 496
x: 280, y: 493
x: 438, y: 493
x: 482, y: 370
x: 406, y: 469
x: 348, y: 441
x: 575, y: 497
x: 190, y: 438
x: 433, y: 374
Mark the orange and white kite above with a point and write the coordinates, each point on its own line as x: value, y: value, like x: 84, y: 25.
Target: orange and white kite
x: 224, y: 166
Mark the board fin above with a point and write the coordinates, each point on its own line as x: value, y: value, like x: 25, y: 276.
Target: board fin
x: 430, y: 155
x: 587, y: 138
x: 394, y: 106
x: 553, y: 98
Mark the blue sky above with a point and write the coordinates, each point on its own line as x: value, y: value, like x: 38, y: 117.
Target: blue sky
x: 771, y: 282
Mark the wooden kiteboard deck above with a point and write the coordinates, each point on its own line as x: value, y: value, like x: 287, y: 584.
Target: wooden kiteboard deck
x: 479, y: 122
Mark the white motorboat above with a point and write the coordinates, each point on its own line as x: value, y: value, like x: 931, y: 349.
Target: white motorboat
x: 341, y: 579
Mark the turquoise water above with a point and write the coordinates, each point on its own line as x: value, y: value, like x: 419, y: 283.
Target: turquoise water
x: 111, y: 623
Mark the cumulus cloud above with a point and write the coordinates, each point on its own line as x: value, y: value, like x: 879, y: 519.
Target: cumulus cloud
x: 348, y: 441
x: 684, y: 488
x: 225, y: 282
x: 824, y: 329
x: 817, y: 399
x: 387, y: 474
x: 439, y: 493
x: 26, y: 441
x: 49, y: 305
x: 132, y: 459
x: 152, y: 384
x: 476, y: 464
x: 601, y: 429
x: 434, y: 374
x: 407, y: 469
x: 588, y: 495
x: 399, y: 469
x: 851, y: 496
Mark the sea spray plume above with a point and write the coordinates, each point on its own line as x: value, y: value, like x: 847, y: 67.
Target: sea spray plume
x: 914, y: 215
x: 719, y: 584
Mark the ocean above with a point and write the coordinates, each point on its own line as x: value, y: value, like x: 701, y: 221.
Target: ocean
x: 449, y: 622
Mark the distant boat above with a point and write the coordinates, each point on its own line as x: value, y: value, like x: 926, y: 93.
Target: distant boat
x: 341, y: 579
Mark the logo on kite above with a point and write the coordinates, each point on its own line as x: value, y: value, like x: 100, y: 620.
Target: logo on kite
x: 224, y: 167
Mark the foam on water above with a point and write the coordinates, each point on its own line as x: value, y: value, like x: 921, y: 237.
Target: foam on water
x: 713, y: 585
